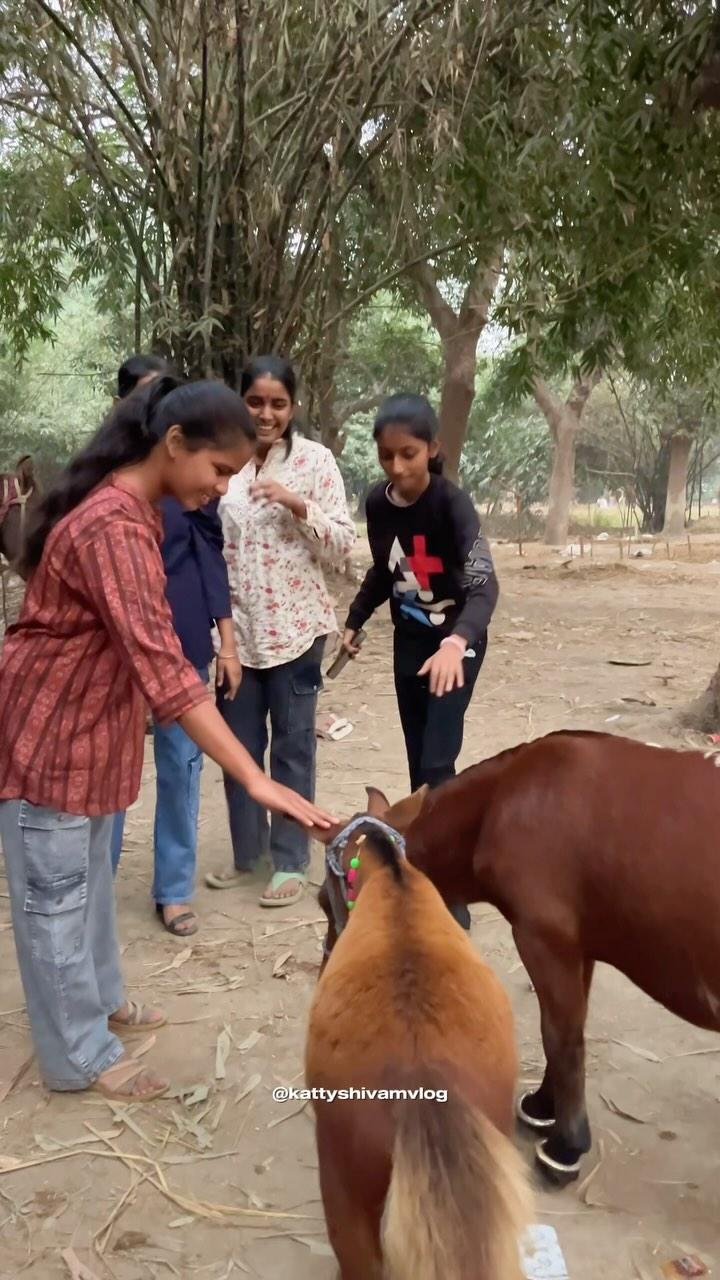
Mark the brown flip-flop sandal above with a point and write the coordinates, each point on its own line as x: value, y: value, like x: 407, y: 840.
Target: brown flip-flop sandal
x: 113, y: 1082
x: 171, y: 925
x: 134, y: 1024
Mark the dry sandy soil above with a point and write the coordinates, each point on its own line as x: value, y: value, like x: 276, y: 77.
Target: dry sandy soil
x: 220, y: 1181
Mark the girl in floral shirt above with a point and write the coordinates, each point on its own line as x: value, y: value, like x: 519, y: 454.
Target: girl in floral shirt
x: 285, y: 519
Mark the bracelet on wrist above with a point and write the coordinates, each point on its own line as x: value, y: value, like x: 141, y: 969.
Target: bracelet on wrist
x: 229, y: 657
x: 456, y: 641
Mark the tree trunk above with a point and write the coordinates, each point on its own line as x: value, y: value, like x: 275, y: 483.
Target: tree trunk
x: 674, y: 526
x: 562, y: 481
x: 459, y: 334
x: 563, y: 419
x: 703, y: 713
x: 458, y: 393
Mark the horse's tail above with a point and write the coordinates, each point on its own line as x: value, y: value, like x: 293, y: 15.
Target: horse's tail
x: 459, y: 1199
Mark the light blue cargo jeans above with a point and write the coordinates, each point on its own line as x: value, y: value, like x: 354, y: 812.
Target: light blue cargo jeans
x: 63, y: 913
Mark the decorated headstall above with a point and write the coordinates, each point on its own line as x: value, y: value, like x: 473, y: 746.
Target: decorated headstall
x: 341, y: 882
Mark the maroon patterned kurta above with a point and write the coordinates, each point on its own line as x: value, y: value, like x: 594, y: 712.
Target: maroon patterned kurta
x: 94, y: 646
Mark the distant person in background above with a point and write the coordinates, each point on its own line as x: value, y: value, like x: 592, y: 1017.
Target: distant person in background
x: 285, y: 519
x: 199, y: 597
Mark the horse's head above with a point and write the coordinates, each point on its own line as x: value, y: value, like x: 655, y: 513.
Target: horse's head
x: 342, y: 844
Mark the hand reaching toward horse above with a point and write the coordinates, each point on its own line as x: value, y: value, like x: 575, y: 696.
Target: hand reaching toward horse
x: 445, y: 668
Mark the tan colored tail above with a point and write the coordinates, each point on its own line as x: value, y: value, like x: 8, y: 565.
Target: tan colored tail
x: 459, y: 1199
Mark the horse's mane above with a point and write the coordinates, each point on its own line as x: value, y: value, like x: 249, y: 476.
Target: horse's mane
x: 385, y: 848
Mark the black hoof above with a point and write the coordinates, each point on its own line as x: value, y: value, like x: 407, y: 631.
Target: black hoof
x: 533, y: 1112
x: 559, y: 1172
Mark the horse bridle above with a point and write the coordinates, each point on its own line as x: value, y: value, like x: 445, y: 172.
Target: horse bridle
x: 337, y: 880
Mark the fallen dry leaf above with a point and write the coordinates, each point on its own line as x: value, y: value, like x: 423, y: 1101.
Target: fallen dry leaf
x: 647, y: 1054
x: 6, y: 1088
x: 77, y: 1269
x: 319, y: 1247
x: 180, y: 958
x: 249, y: 1042
x: 622, y: 1111
x: 252, y: 1083
x: 222, y: 1049
x: 280, y: 963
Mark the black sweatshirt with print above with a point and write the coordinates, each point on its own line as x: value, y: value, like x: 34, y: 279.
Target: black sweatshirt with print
x: 432, y: 561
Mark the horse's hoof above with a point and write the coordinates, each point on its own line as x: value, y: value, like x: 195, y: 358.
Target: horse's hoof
x: 533, y: 1122
x: 559, y: 1173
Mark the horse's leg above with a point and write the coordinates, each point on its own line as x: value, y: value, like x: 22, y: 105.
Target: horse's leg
x: 352, y: 1233
x: 562, y: 981
x: 537, y: 1110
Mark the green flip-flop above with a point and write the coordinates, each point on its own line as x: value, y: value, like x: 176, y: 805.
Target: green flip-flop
x: 280, y: 878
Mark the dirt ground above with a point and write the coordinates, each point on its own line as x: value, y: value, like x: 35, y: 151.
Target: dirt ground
x: 220, y: 1181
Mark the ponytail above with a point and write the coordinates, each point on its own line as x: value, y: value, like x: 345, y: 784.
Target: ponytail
x: 436, y: 465
x: 208, y: 413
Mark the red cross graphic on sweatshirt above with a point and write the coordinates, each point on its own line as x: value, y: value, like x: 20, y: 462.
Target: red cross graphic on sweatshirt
x: 422, y: 564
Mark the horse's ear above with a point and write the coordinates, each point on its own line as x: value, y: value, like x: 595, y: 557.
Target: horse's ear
x: 378, y: 803
x: 403, y: 814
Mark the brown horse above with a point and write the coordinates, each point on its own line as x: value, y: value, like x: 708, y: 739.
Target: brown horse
x: 594, y: 848
x: 19, y: 495
x: 425, y: 1183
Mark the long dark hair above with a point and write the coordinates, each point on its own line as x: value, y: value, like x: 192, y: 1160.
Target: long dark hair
x: 417, y: 415
x: 282, y: 371
x: 137, y: 367
x: 208, y: 413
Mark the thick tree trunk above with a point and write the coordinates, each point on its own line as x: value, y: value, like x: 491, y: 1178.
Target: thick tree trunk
x: 703, y: 713
x: 459, y: 334
x: 458, y: 393
x: 562, y: 481
x: 674, y: 526
x: 563, y: 419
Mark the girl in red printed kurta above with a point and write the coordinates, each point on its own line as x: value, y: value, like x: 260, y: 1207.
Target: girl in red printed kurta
x: 94, y: 646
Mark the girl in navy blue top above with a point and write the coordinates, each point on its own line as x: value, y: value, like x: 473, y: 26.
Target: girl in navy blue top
x: 199, y: 597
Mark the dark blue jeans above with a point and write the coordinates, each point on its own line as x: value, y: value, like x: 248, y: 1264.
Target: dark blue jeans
x: 286, y: 696
x: 433, y: 727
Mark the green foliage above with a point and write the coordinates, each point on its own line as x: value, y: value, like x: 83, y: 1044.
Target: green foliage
x: 358, y: 461
x: 507, y: 453
x: 63, y: 390
x: 220, y: 147
x: 390, y: 349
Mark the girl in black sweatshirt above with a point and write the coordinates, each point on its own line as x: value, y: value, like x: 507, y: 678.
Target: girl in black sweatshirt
x: 431, y: 560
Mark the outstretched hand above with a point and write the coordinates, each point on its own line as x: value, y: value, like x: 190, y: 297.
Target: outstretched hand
x: 272, y: 795
x: 444, y: 669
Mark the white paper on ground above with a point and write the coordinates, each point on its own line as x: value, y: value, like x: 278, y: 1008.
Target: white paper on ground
x: 542, y: 1257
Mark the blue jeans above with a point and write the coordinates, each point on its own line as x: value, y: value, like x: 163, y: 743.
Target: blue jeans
x: 63, y: 914
x: 287, y: 695
x: 178, y: 766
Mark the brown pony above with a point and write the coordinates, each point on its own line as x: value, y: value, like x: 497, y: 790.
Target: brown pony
x: 594, y: 848
x: 414, y: 1187
x: 19, y: 495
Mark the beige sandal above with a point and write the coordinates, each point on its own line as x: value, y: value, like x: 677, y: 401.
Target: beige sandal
x: 121, y: 1082
x: 137, y: 1020
x: 229, y: 879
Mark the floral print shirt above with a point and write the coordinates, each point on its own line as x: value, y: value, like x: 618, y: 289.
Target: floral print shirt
x: 280, y: 601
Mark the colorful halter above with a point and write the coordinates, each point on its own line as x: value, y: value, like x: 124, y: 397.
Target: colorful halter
x: 339, y: 844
